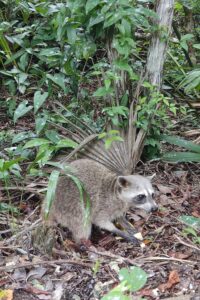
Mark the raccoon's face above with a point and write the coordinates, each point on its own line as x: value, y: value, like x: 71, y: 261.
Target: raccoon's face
x: 137, y: 192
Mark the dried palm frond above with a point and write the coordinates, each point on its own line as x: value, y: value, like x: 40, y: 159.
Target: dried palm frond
x: 121, y: 157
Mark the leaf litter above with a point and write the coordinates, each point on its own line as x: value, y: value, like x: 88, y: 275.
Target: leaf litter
x: 171, y: 256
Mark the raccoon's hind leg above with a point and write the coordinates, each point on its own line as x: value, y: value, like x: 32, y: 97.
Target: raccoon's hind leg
x: 80, y: 231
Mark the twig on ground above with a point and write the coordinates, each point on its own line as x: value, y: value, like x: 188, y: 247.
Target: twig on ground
x: 153, y: 258
x: 142, y: 258
x: 186, y: 244
x: 23, y: 189
x: 45, y: 262
x: 30, y: 228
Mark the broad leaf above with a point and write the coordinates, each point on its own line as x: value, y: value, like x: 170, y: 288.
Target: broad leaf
x: 90, y: 4
x: 36, y: 142
x: 134, y: 277
x: 40, y: 122
x: 190, y: 220
x: 197, y: 46
x: 66, y: 143
x: 53, y: 136
x: 58, y: 79
x: 102, y: 91
x: 21, y: 110
x: 22, y: 136
x: 39, y: 99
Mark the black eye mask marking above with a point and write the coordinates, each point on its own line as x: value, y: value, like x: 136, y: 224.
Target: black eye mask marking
x: 140, y: 198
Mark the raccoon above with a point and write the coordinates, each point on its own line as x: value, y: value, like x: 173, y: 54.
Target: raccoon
x: 110, y: 197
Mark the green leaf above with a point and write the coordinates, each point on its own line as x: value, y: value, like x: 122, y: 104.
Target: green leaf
x: 191, y: 81
x: 21, y: 110
x: 96, y: 20
x: 197, y: 46
x: 53, y: 136
x: 174, y: 140
x: 90, y: 4
x: 51, y: 191
x: 102, y: 91
x: 66, y: 143
x: 39, y: 99
x: 110, y: 140
x: 58, y: 79
x: 4, y: 207
x: 67, y: 169
x: 22, y: 136
x: 112, y: 19
x: 36, y: 142
x: 190, y: 220
x: 190, y: 230
x: 123, y: 65
x: 181, y: 157
x: 84, y: 197
x: 107, y: 83
x: 134, y: 277
x: 40, y: 122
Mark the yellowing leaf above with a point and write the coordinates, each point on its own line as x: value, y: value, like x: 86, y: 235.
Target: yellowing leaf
x: 6, y: 294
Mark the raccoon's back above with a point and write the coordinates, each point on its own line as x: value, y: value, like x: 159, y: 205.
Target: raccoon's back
x: 90, y: 173
x: 67, y: 199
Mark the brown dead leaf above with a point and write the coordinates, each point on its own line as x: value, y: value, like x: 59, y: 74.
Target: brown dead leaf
x: 146, y: 242
x: 164, y: 189
x: 196, y: 214
x: 36, y: 291
x: 147, y: 293
x: 172, y: 280
x: 179, y: 255
x: 164, y: 200
x: 6, y: 294
x: 4, y: 281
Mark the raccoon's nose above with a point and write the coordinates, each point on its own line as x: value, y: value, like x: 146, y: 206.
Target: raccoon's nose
x: 155, y: 208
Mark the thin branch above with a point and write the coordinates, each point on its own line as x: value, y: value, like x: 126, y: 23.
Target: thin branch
x: 186, y: 244
x: 48, y: 262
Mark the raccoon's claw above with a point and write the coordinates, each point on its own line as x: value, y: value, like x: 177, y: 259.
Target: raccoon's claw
x: 127, y: 236
x: 133, y: 240
x: 122, y: 221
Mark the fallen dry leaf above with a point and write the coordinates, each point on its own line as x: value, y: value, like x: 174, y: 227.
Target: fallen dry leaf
x: 37, y: 272
x: 146, y: 293
x: 6, y: 294
x: 172, y: 280
x: 196, y: 214
x: 179, y: 255
x: 164, y: 189
x: 36, y: 291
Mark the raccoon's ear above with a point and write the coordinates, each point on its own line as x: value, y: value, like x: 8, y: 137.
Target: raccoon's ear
x: 122, y: 181
x: 151, y: 177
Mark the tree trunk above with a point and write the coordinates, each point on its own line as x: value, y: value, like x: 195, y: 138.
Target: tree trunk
x: 155, y: 59
x: 158, y: 45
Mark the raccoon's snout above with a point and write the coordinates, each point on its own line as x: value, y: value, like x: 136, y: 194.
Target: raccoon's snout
x: 154, y: 208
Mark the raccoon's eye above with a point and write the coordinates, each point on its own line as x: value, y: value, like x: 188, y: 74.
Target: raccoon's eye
x: 152, y: 195
x: 141, y: 197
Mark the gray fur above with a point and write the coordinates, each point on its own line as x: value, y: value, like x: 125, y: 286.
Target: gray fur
x: 110, y: 198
